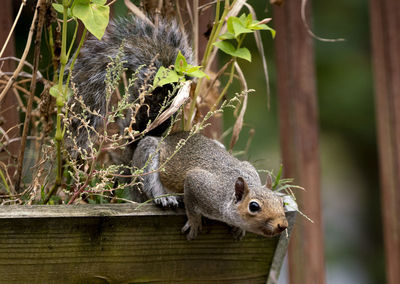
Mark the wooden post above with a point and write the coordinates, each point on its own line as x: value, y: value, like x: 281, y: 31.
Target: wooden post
x: 385, y: 26
x: 8, y: 107
x: 298, y: 117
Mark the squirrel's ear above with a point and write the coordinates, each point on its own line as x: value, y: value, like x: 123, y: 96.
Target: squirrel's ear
x: 241, y: 189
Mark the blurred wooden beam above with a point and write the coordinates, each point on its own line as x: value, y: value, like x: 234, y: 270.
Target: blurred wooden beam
x: 385, y: 26
x: 298, y: 117
x: 8, y: 107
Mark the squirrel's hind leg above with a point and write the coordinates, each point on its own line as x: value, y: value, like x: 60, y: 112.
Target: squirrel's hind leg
x: 197, y: 201
x: 147, y: 157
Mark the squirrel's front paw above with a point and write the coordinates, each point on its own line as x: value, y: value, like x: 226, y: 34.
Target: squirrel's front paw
x: 237, y: 233
x: 193, y: 230
x: 167, y: 201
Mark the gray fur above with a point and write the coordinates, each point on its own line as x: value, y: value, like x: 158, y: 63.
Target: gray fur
x: 151, y: 184
x: 143, y: 45
x: 207, y: 174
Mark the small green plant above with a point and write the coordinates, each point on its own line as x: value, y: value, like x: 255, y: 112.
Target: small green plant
x: 238, y: 27
x: 180, y: 69
x: 95, y: 16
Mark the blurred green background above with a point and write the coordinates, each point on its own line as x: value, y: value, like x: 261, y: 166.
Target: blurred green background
x: 351, y: 205
x: 350, y: 188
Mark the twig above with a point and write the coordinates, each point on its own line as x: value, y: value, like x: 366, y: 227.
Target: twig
x: 239, y: 121
x: 310, y: 32
x: 23, y: 3
x: 28, y: 114
x: 196, y: 30
x: 135, y: 10
x: 178, y: 11
x: 189, y: 10
x: 24, y: 55
x: 158, y: 12
x: 260, y: 47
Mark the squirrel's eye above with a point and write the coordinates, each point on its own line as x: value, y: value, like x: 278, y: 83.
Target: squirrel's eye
x: 254, y: 207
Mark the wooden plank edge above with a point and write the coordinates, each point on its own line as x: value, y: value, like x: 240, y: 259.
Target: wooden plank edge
x: 99, y: 210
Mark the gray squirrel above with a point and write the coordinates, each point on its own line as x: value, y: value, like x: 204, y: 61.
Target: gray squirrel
x: 145, y: 49
x: 215, y: 184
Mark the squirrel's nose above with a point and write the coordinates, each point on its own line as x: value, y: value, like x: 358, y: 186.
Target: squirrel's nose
x: 281, y: 227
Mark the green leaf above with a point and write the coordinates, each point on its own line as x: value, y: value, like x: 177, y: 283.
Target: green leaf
x: 54, y: 92
x: 243, y: 19
x: 226, y: 35
x: 94, y: 15
x: 256, y: 26
x: 60, y: 9
x: 180, y: 63
x: 229, y: 24
x: 249, y: 20
x: 239, y: 28
x: 197, y: 74
x: 165, y: 76
x: 243, y: 53
x: 194, y: 71
x: 231, y: 50
x: 226, y: 47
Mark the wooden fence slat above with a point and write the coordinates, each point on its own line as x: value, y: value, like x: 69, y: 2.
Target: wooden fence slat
x: 298, y: 119
x: 385, y: 26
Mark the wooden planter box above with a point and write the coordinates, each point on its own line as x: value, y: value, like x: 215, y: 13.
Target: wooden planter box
x: 117, y: 244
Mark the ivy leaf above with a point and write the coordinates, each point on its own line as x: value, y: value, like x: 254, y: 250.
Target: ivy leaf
x: 165, y: 76
x: 94, y: 15
x: 180, y: 63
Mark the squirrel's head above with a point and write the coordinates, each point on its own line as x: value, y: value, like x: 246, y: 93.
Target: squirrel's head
x: 261, y: 210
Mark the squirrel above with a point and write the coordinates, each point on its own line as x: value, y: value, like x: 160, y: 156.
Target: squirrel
x: 146, y: 47
x: 215, y: 185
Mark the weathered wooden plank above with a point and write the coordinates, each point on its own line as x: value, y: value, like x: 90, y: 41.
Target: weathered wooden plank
x: 117, y: 244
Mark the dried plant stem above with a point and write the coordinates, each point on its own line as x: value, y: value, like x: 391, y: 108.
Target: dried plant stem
x: 23, y: 3
x: 60, y: 98
x: 218, y: 23
x: 3, y: 178
x: 196, y: 30
x: 59, y: 139
x: 41, y: 8
x: 25, y: 53
x: 239, y: 121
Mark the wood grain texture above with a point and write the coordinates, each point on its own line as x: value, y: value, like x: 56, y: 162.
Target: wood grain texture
x: 118, y: 244
x: 298, y: 119
x: 385, y: 26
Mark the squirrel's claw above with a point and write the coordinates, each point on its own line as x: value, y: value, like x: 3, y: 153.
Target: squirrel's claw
x: 237, y: 233
x: 167, y: 201
x: 193, y: 230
